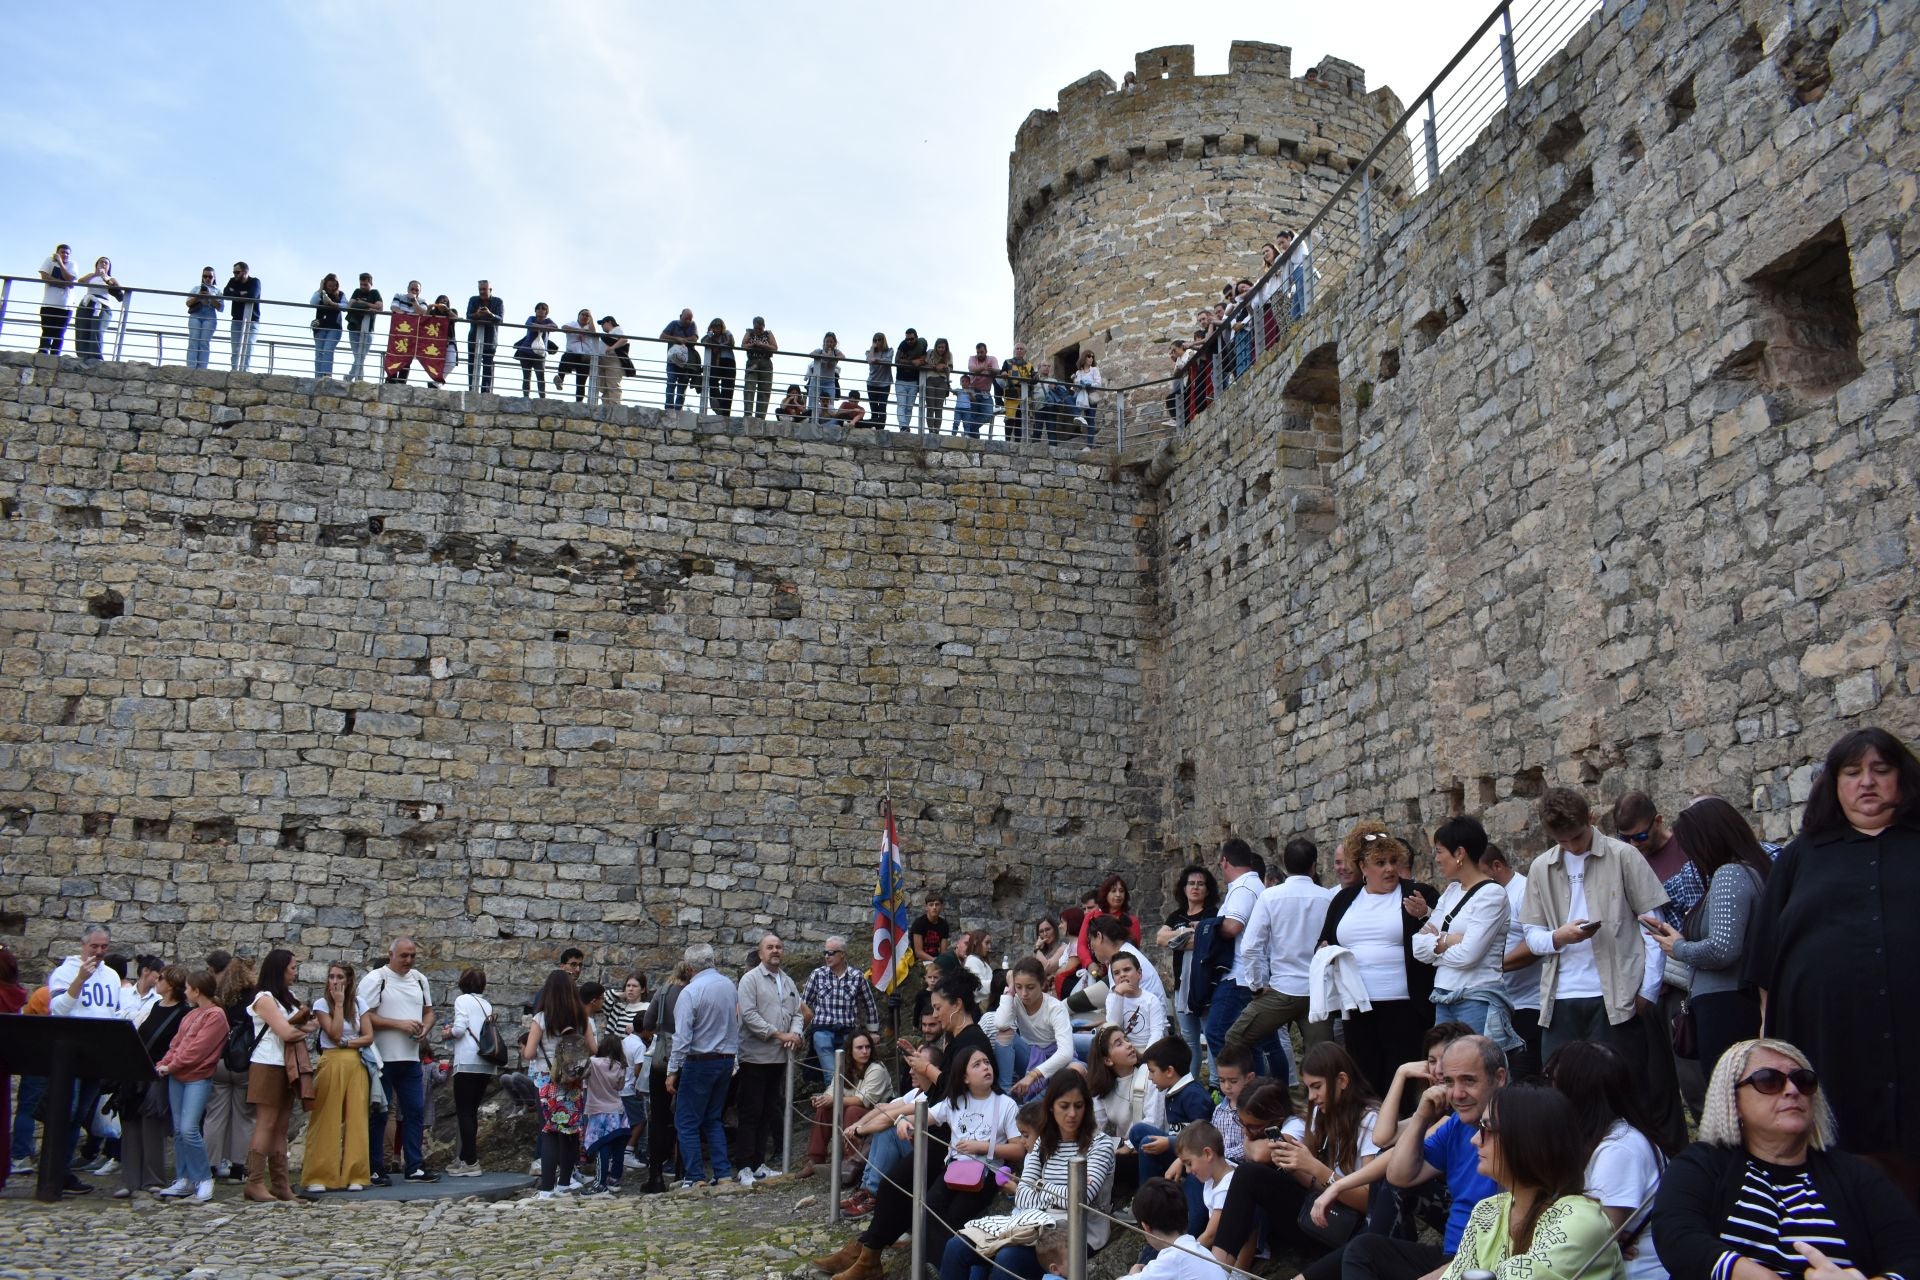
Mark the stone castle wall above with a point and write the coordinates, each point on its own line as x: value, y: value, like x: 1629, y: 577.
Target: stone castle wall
x: 279, y: 662
x: 1127, y: 210
x: 1600, y: 473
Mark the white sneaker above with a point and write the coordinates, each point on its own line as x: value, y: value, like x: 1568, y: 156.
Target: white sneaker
x: 744, y: 1177
x: 354, y: 1186
x: 105, y: 1167
x: 765, y: 1171
x: 576, y: 1184
x: 315, y: 1189
x: 545, y: 1195
x: 223, y: 1170
x: 203, y: 1192
x: 123, y: 1193
x: 535, y: 1171
x: 175, y: 1189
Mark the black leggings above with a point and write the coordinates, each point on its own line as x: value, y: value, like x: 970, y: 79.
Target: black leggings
x: 877, y: 404
x: 469, y: 1087
x: 574, y: 362
x: 530, y: 372
x: 559, y: 1153
x: 659, y: 1123
x: 947, y: 1210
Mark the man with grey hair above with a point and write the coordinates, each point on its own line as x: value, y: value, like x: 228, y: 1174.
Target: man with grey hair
x: 398, y: 1005
x: 706, y: 1037
x: 836, y: 1002
x: 84, y: 987
x: 770, y: 1025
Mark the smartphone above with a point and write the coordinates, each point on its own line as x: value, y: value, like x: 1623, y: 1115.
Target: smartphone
x: 1272, y: 1134
x: 1590, y: 927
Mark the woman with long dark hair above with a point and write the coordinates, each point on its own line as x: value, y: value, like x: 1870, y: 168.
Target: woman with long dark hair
x: 1837, y: 929
x: 864, y: 1085
x: 1541, y: 1225
x: 1198, y: 894
x: 1733, y: 866
x: 1626, y: 1157
x: 279, y: 1019
x: 556, y: 1011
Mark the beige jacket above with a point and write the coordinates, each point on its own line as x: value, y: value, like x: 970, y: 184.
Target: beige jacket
x: 1621, y: 888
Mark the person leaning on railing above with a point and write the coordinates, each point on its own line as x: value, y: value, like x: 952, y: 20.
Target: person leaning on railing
x: 363, y: 304
x: 759, y: 344
x: 879, y: 379
x: 204, y: 305
x: 583, y: 347
x: 58, y: 275
x: 909, y: 359
x: 94, y: 311
x: 326, y: 302
x: 720, y: 366
x: 615, y: 362
x: 533, y: 348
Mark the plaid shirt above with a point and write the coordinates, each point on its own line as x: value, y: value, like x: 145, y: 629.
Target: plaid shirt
x: 1233, y: 1136
x: 1685, y: 888
x: 838, y: 1003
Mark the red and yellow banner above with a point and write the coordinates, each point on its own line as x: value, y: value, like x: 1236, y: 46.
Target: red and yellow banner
x: 419, y: 337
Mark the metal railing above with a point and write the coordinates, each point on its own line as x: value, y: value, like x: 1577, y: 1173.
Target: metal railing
x: 713, y: 376
x: 1512, y: 43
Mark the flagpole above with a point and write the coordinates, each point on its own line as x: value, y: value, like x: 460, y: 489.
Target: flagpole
x: 893, y: 987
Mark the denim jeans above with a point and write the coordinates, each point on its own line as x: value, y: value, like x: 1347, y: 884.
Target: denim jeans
x: 324, y: 342
x: 32, y: 1089
x: 359, y: 341
x: 697, y: 1109
x: 1151, y: 1166
x: 481, y: 344
x: 1190, y: 1025
x: 824, y: 391
x: 200, y: 326
x: 240, y: 338
x: 189, y: 1101
x: 89, y: 322
x: 1229, y: 1000
x: 825, y: 1041
x: 1010, y: 1059
x: 678, y: 376
x: 884, y: 1150
x: 610, y: 1158
x: 1471, y: 1012
x: 961, y: 1261
x: 407, y: 1093
x: 970, y: 410
x: 905, y: 395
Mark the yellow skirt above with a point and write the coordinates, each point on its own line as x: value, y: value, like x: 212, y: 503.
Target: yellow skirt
x: 337, y: 1126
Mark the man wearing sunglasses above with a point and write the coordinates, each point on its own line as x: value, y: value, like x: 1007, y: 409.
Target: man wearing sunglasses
x: 837, y: 1002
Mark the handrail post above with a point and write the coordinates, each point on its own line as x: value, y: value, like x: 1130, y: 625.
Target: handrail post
x: 271, y: 351
x: 593, y: 378
x: 1119, y: 421
x: 159, y: 347
x: 1366, y: 209
x: 1432, y: 130
x: 1076, y: 1219
x: 836, y: 1140
x: 1509, y: 70
x: 919, y: 1252
x: 786, y: 1129
x: 120, y: 333
x: 6, y: 292
x: 706, y: 400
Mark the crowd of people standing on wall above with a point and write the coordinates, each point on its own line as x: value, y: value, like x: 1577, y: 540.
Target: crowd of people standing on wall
x: 1039, y: 401
x: 1390, y: 1078
x: 1223, y: 346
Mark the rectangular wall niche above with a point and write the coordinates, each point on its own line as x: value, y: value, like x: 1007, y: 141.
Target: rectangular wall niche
x: 1806, y: 328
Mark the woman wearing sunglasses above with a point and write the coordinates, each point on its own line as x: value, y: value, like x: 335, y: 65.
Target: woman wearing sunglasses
x: 1766, y: 1193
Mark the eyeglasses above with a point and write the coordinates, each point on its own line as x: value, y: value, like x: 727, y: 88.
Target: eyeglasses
x: 836, y: 951
x: 1638, y: 837
x: 1487, y: 1127
x: 1771, y: 1080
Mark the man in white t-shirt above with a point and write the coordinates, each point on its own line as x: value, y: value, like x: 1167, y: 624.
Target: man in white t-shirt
x: 84, y: 986
x: 1279, y: 943
x: 1244, y: 887
x: 1520, y: 971
x: 1600, y: 972
x: 398, y: 1005
x: 58, y: 275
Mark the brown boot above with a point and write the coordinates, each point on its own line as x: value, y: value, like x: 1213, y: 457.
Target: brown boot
x: 256, y: 1189
x: 840, y: 1259
x: 870, y: 1266
x: 277, y: 1178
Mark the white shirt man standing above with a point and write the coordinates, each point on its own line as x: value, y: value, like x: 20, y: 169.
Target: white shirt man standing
x: 84, y: 987
x: 398, y: 1004
x: 1279, y: 943
x: 1244, y: 887
x: 770, y: 1023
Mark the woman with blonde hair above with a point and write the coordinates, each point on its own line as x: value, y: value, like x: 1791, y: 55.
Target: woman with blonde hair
x: 1376, y: 919
x: 337, y: 1156
x: 1765, y: 1192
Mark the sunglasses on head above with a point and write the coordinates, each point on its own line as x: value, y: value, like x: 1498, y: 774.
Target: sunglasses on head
x: 1638, y: 837
x: 1771, y: 1080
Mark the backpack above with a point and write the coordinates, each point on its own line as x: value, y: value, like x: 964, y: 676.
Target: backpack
x: 488, y: 1045
x: 569, y: 1059
x: 241, y: 1038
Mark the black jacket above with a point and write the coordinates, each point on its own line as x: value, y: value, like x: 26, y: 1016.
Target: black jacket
x: 1698, y: 1190
x: 1419, y: 976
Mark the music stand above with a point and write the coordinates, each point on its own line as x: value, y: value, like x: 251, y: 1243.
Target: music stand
x: 65, y: 1050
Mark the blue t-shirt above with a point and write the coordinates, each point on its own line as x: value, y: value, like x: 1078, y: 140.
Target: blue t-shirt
x: 1450, y: 1149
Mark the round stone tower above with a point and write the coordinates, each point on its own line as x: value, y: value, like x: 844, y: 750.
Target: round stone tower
x: 1128, y: 208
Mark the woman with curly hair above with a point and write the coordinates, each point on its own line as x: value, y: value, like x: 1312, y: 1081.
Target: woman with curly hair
x: 1376, y: 919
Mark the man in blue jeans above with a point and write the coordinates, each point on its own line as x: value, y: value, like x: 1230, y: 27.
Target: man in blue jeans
x: 399, y: 1006
x: 837, y: 1002
x: 1244, y: 887
x: 706, y: 1039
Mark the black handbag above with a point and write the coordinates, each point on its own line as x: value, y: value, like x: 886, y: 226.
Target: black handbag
x: 1342, y: 1222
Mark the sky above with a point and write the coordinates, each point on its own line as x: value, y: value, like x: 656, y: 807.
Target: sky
x: 835, y: 165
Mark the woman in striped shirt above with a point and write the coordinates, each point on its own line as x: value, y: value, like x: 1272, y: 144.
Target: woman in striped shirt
x: 1066, y: 1132
x: 1766, y: 1193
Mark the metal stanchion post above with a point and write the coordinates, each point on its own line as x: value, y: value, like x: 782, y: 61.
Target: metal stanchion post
x: 706, y: 400
x: 786, y: 1130
x: 1076, y: 1219
x: 1508, y: 71
x: 835, y: 1139
x: 271, y: 351
x: 1119, y: 421
x: 120, y: 333
x: 6, y: 292
x: 919, y: 1254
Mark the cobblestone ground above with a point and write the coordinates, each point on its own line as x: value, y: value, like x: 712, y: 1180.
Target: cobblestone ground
x: 727, y: 1234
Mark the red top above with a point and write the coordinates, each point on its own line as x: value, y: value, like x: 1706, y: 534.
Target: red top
x: 197, y: 1044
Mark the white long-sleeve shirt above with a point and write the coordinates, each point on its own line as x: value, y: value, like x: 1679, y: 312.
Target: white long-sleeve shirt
x: 1474, y: 961
x: 1143, y: 1018
x: 1051, y: 1027
x: 1282, y: 933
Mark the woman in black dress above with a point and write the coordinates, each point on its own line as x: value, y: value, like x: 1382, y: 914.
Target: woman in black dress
x: 1837, y: 928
